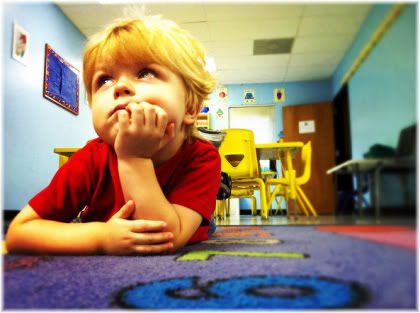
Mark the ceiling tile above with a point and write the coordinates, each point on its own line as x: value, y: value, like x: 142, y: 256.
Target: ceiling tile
x: 251, y: 11
x: 253, y: 62
x: 280, y: 28
x: 178, y: 12
x: 322, y: 43
x: 323, y: 33
x: 335, y: 25
x: 322, y: 9
x: 299, y: 73
x: 318, y: 58
x: 229, y: 48
x: 233, y: 30
x: 200, y: 30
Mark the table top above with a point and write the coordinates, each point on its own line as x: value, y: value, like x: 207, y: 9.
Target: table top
x: 65, y: 151
x: 277, y: 150
x: 365, y: 165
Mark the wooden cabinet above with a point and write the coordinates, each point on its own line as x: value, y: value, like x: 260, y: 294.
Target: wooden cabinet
x: 203, y: 120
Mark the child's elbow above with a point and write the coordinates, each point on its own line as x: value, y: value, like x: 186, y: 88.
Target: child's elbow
x: 177, y: 245
x: 10, y: 242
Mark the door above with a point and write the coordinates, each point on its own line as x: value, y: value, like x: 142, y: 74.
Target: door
x: 342, y: 135
x: 316, y: 125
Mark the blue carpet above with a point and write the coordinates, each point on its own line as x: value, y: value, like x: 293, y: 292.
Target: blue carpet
x: 270, y: 267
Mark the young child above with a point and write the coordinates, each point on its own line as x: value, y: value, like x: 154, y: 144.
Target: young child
x: 147, y: 184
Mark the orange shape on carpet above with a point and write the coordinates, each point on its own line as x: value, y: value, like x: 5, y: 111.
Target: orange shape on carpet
x: 400, y: 236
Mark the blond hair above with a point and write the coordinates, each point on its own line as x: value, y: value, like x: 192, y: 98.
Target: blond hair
x: 152, y: 39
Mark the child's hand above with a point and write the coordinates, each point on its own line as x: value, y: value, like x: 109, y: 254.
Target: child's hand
x: 123, y: 236
x: 143, y: 130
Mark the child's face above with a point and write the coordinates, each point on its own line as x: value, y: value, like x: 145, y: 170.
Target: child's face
x: 117, y: 84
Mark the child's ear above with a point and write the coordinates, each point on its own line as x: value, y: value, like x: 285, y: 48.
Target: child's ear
x: 190, y: 116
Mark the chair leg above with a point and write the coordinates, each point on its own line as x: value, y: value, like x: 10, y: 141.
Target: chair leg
x: 216, y: 210
x: 220, y: 209
x: 278, y: 205
x: 227, y: 208
x: 263, y: 199
x: 273, y: 195
x: 307, y: 202
x: 301, y: 204
x: 253, y: 206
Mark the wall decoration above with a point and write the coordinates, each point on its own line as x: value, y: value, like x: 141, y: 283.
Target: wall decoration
x: 222, y: 94
x: 219, y: 113
x: 20, y: 44
x: 61, y: 81
x: 279, y: 95
x: 249, y: 96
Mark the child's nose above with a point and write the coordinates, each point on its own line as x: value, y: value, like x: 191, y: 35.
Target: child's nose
x: 124, y: 88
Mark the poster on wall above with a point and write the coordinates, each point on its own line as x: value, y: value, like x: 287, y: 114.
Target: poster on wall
x: 249, y: 96
x: 61, y: 81
x: 222, y: 94
x: 279, y: 95
x: 20, y: 44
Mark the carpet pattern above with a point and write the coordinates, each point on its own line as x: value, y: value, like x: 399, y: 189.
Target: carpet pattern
x: 240, y: 267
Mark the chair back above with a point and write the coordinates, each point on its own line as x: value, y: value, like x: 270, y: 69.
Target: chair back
x: 306, y: 156
x: 238, y: 153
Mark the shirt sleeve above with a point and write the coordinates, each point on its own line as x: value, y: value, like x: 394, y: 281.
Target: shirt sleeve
x: 69, y: 190
x: 198, y: 186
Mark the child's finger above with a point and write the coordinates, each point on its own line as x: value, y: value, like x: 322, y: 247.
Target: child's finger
x: 126, y: 210
x: 153, y: 249
x: 142, y: 226
x: 149, y: 115
x: 152, y: 238
x: 169, y: 132
x: 137, y: 114
x: 161, y: 120
x: 123, y: 119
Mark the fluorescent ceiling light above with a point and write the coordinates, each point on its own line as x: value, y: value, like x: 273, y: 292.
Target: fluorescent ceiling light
x: 211, y: 65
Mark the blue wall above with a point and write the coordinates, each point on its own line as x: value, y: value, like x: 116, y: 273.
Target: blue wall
x: 33, y: 125
x: 383, y: 91
x: 296, y: 93
x: 382, y: 94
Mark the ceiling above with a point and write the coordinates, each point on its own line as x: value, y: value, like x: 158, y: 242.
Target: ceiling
x: 322, y: 33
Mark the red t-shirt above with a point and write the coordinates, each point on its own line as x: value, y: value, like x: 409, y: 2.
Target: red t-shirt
x: 90, y: 179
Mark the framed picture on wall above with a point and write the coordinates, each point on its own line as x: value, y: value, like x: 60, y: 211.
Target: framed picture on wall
x: 20, y: 43
x: 61, y: 81
x: 279, y: 95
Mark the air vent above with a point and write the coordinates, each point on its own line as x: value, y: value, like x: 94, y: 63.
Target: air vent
x: 273, y: 46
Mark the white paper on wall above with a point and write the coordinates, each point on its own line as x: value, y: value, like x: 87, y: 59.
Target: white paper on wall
x: 306, y: 127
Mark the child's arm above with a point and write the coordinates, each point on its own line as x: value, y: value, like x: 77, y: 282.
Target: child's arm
x: 139, y: 183
x: 29, y: 233
x: 142, y: 133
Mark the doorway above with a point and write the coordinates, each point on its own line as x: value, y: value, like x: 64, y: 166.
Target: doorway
x: 342, y: 137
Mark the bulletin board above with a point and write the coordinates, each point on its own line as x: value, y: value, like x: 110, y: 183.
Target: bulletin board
x: 61, y: 81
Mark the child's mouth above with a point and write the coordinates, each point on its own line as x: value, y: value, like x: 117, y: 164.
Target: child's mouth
x: 119, y: 107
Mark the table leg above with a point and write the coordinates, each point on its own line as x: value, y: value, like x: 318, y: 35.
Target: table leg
x: 359, y: 190
x: 377, y: 189
x: 292, y: 186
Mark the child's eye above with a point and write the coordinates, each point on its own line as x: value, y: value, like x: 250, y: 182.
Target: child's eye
x: 146, y: 73
x: 102, y: 80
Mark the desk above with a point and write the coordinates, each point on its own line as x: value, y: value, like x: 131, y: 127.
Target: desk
x: 279, y: 151
x: 64, y: 154
x: 372, y: 167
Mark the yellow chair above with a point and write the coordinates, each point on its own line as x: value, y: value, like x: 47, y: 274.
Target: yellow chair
x: 239, y: 161
x: 288, y: 186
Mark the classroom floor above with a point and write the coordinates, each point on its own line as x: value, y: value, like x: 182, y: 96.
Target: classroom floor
x: 354, y: 219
